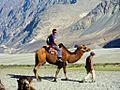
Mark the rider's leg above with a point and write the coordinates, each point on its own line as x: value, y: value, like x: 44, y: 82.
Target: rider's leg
x: 59, y: 50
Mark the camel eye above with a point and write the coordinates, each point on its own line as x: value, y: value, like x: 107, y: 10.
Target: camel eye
x: 84, y: 47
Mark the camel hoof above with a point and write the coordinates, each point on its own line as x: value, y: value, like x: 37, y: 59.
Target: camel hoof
x: 64, y: 79
x: 39, y: 79
x: 54, y: 80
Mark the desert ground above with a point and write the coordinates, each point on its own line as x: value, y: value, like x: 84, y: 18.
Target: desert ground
x: 105, y: 80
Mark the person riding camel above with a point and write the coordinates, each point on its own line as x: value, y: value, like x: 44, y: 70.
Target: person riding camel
x: 51, y: 41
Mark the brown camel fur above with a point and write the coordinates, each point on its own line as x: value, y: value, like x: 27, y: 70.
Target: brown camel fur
x: 25, y: 83
x: 42, y: 56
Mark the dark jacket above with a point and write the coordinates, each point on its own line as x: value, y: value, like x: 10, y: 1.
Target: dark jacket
x: 89, y: 63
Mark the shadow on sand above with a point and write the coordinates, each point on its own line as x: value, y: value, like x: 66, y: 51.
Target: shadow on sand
x: 72, y: 80
x: 77, y: 81
x: 49, y: 78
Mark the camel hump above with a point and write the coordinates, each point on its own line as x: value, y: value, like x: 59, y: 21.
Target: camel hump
x: 45, y: 47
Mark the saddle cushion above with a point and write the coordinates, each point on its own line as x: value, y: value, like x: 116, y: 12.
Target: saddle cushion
x: 52, y: 50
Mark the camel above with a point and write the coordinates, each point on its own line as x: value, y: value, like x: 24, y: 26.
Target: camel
x: 42, y: 56
x: 25, y: 83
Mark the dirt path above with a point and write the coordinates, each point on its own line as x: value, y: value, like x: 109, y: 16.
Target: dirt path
x: 106, y: 80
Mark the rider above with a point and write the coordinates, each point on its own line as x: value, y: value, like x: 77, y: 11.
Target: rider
x: 52, y: 42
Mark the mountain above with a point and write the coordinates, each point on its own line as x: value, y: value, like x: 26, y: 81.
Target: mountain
x: 20, y: 20
x: 99, y: 28
x: 25, y: 24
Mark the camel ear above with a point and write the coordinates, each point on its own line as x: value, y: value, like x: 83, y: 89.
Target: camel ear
x: 81, y: 46
x: 29, y: 79
x: 76, y: 46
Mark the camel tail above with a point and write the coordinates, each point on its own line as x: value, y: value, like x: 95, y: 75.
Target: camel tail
x: 36, y: 59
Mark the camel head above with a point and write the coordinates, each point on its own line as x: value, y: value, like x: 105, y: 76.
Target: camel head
x: 24, y: 83
x: 84, y: 48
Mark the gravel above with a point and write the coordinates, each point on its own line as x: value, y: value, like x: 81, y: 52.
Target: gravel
x: 105, y: 80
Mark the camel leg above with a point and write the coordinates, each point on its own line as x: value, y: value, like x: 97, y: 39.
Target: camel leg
x: 58, y: 69
x: 64, y: 70
x: 36, y: 72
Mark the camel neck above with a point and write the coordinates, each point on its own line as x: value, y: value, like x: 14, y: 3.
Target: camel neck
x: 72, y: 56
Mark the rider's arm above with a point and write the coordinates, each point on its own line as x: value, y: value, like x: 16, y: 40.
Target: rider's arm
x: 55, y: 42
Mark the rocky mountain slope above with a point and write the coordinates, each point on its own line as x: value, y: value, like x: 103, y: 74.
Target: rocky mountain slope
x: 20, y: 21
x: 25, y: 24
x: 99, y: 28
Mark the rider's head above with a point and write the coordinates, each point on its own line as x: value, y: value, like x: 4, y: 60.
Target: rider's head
x: 54, y: 31
x: 92, y: 53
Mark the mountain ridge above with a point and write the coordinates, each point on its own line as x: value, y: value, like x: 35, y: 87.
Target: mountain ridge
x: 19, y: 19
x: 93, y: 27
x: 26, y: 27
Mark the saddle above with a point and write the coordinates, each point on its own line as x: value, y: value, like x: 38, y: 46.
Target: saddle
x: 51, y: 50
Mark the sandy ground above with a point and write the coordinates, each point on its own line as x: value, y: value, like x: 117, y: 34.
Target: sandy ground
x: 105, y: 80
